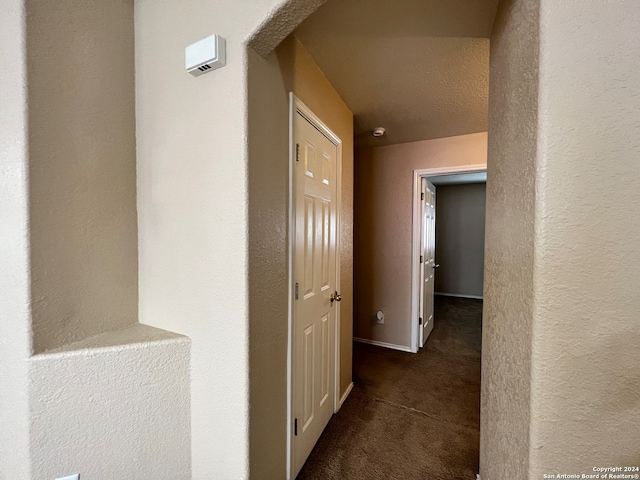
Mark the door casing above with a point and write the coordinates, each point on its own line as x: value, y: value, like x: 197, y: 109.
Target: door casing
x: 416, y: 237
x: 297, y: 106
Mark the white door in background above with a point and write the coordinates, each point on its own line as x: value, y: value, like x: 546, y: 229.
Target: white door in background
x: 315, y: 295
x: 428, y: 264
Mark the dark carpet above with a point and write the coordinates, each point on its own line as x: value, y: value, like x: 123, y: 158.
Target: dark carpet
x: 410, y: 416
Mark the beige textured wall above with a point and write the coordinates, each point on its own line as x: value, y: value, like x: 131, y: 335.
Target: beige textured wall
x: 99, y: 408
x: 560, y: 379
x: 81, y: 169
x: 15, y: 311
x: 131, y: 383
x: 112, y: 406
x: 289, y: 68
x: 268, y: 187
x: 382, y: 233
x: 509, y: 245
x: 585, y: 368
x: 460, y: 219
x: 193, y: 210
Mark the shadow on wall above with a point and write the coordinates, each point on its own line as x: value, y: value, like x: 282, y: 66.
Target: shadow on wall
x: 460, y: 220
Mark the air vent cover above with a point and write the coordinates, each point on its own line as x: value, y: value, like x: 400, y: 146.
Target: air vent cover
x: 205, y: 55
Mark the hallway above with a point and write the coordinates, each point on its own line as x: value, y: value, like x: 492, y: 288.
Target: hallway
x: 410, y: 416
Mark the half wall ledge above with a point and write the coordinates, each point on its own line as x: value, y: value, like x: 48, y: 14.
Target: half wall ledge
x: 137, y: 334
x: 118, y: 402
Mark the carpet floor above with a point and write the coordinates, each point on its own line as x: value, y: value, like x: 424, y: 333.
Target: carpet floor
x: 410, y: 416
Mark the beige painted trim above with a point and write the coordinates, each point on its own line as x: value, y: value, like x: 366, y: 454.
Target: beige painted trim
x: 345, y: 395
x: 393, y: 346
x: 415, y: 255
x: 297, y: 106
x: 459, y: 295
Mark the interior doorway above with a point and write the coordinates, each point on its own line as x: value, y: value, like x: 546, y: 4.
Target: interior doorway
x: 424, y: 264
x: 291, y: 68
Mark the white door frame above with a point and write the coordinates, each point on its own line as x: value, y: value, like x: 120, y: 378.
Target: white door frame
x: 416, y: 224
x: 296, y: 106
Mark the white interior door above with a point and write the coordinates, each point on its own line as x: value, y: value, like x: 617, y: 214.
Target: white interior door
x: 427, y: 255
x: 315, y: 277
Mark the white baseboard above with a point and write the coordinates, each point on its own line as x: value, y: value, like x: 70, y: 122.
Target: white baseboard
x: 459, y: 295
x: 402, y: 348
x: 345, y: 395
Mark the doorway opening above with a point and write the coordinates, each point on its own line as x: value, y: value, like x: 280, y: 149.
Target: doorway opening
x: 303, y: 64
x: 399, y: 328
x: 424, y: 240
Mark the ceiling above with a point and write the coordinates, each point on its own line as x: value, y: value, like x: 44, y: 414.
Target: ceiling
x: 419, y: 68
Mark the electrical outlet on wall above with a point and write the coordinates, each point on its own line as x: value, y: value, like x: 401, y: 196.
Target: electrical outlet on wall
x: 75, y: 476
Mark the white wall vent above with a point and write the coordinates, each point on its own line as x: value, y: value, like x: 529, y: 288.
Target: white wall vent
x: 205, y: 55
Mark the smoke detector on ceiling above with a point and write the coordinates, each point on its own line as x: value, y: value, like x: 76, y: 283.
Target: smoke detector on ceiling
x: 378, y: 131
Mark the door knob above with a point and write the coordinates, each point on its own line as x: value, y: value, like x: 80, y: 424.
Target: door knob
x: 336, y: 296
x: 436, y: 265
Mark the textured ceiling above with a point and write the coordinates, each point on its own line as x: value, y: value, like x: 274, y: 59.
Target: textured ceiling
x: 419, y: 68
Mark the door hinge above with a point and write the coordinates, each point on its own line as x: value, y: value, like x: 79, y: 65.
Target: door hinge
x: 295, y: 427
x: 420, y: 321
x: 422, y: 196
x: 421, y: 259
x: 296, y: 291
x: 297, y: 152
